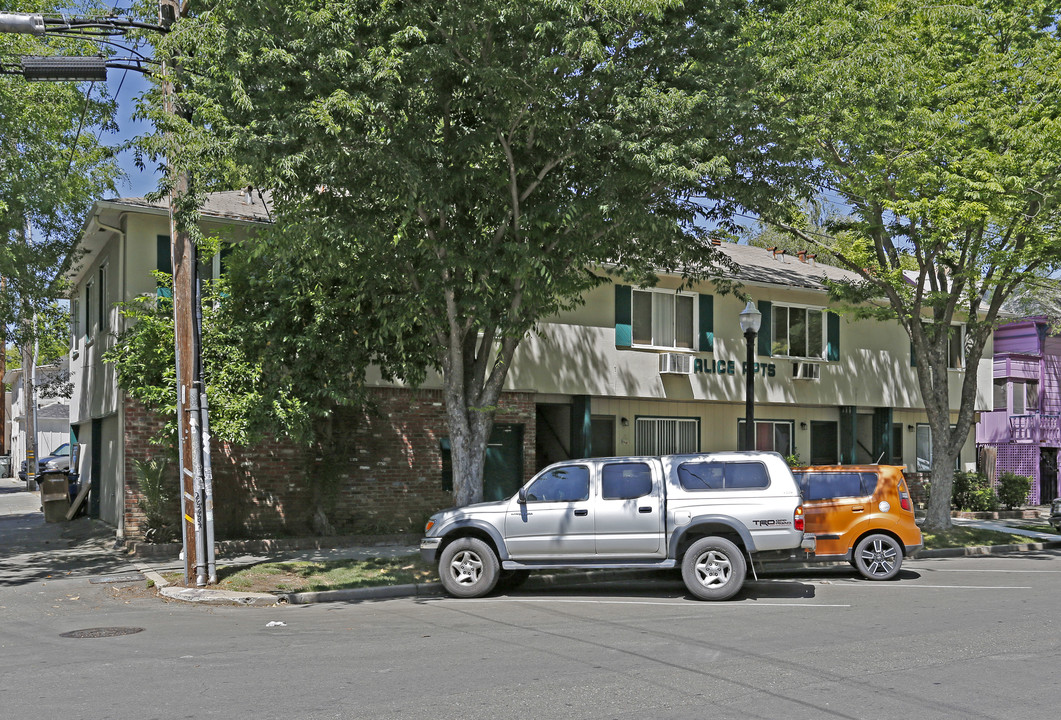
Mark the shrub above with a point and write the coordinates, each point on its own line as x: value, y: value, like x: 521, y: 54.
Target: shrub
x: 973, y: 493
x: 1013, y: 490
x: 159, y: 499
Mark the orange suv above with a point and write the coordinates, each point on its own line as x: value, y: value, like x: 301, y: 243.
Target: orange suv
x: 861, y: 514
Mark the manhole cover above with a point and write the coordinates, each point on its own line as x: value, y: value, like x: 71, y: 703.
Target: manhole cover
x: 102, y: 632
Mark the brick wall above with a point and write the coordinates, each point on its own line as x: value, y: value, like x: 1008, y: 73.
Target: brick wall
x: 376, y: 471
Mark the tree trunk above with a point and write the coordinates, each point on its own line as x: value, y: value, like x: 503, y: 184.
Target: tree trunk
x: 474, y: 371
x: 469, y: 431
x: 937, y: 517
x: 29, y: 394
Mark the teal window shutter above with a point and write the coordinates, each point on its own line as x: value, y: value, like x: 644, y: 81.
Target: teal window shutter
x: 707, y: 323
x: 832, y: 331
x: 765, y: 329
x: 913, y: 358
x: 624, y: 333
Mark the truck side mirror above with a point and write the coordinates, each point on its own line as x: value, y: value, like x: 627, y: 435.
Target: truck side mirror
x: 521, y: 496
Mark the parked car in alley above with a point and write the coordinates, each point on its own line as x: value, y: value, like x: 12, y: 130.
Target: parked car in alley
x: 57, y: 460
x: 861, y: 514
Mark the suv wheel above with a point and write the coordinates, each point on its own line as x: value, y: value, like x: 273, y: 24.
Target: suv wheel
x: 713, y: 569
x: 878, y: 557
x: 468, y: 568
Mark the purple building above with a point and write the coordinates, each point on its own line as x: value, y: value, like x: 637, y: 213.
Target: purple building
x: 1023, y: 433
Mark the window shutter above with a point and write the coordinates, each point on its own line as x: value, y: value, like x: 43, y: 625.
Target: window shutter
x: 832, y: 332
x: 707, y: 323
x: 765, y: 329
x: 624, y: 334
x: 913, y: 358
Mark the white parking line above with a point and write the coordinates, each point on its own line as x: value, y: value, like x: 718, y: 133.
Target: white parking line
x: 916, y: 586
x: 1013, y: 572
x: 686, y: 604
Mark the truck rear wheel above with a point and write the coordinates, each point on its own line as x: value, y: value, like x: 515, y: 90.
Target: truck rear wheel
x: 468, y: 568
x: 713, y: 569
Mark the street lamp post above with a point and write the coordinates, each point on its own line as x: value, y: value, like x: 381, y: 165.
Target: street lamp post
x: 750, y: 320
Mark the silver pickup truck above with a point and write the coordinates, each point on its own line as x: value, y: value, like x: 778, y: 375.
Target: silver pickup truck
x: 710, y: 514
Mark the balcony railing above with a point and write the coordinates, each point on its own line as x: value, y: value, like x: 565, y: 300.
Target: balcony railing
x: 1035, y: 428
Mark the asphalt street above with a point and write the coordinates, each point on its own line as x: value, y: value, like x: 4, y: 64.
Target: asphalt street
x: 969, y: 637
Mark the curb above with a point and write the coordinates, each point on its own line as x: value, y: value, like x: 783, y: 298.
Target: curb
x: 370, y: 593
x: 986, y: 550
x: 218, y: 597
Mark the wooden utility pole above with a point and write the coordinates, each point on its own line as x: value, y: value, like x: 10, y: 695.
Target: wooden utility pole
x: 184, y: 268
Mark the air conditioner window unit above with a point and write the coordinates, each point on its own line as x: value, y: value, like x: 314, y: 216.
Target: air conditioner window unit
x: 675, y: 364
x: 806, y: 371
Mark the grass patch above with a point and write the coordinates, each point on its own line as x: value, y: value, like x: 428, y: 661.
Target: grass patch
x: 968, y: 536
x: 309, y: 576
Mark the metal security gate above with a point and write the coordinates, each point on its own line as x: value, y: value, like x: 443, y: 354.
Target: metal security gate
x: 666, y: 436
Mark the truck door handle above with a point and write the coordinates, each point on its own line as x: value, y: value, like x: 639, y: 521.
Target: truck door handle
x: 581, y: 513
x: 857, y: 509
x: 645, y: 509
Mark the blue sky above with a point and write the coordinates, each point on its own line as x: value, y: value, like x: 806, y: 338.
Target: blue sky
x: 127, y: 85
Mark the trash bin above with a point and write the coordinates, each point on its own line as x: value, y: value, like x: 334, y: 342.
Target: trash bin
x: 5, y: 466
x: 55, y: 495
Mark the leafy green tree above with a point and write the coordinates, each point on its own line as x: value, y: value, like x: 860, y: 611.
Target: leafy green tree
x: 447, y: 174
x: 938, y: 127
x: 52, y: 167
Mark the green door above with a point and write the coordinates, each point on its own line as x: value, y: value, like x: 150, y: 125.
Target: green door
x: 503, y: 472
x: 824, y: 437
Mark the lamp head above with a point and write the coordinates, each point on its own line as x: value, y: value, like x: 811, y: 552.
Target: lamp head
x: 750, y: 318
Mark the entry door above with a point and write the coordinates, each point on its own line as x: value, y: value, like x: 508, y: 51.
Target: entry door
x: 824, y: 443
x: 95, y: 449
x: 1047, y: 475
x: 503, y: 469
x: 556, y: 521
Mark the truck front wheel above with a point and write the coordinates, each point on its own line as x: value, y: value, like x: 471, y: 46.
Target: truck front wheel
x: 713, y: 569
x: 468, y: 568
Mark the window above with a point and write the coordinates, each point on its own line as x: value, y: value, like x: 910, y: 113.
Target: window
x: 569, y: 483
x: 797, y: 332
x: 956, y: 350
x: 923, y: 447
x: 1000, y: 400
x: 1031, y: 395
x: 104, y: 310
x: 89, y: 289
x: 699, y: 476
x: 663, y: 318
x: 827, y: 486
x: 1018, y: 398
x: 770, y: 435
x: 666, y: 436
x: 625, y: 481
x: 75, y: 322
